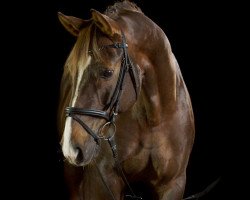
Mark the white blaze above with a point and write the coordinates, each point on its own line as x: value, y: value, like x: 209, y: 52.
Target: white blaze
x: 68, y: 150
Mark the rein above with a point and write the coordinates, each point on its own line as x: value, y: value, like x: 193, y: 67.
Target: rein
x: 110, y: 117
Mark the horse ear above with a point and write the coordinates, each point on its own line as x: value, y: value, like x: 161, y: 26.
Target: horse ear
x: 105, y: 23
x: 72, y: 24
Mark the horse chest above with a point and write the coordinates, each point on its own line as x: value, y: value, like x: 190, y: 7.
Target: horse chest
x: 140, y: 159
x: 150, y: 156
x: 135, y: 165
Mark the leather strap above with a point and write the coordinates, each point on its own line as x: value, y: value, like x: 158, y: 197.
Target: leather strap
x: 89, y: 112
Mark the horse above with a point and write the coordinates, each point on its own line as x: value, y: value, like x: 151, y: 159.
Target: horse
x: 125, y: 115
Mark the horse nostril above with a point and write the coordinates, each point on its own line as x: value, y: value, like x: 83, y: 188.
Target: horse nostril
x: 79, y: 157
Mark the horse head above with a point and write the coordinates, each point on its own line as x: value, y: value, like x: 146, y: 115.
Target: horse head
x: 103, y: 82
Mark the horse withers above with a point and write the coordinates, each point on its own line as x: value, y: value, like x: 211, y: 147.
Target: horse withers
x: 125, y: 115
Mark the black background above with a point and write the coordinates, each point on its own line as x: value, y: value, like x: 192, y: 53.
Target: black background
x: 201, y: 37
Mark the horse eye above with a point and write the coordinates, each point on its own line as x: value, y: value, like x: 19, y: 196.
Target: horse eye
x: 107, y: 73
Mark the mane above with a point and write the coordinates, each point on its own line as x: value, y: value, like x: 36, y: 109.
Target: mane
x: 121, y: 7
x: 86, y: 41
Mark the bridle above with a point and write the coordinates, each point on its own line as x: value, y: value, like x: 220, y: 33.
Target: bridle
x: 110, y: 112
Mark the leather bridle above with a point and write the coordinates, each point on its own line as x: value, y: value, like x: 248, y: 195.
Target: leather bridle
x: 111, y: 111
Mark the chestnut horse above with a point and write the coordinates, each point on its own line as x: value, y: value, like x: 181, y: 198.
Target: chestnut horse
x: 129, y: 122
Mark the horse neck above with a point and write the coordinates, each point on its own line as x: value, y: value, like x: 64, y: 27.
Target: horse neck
x: 161, y: 77
x: 159, y: 88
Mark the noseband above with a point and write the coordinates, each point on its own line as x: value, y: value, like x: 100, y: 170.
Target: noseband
x: 111, y: 111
